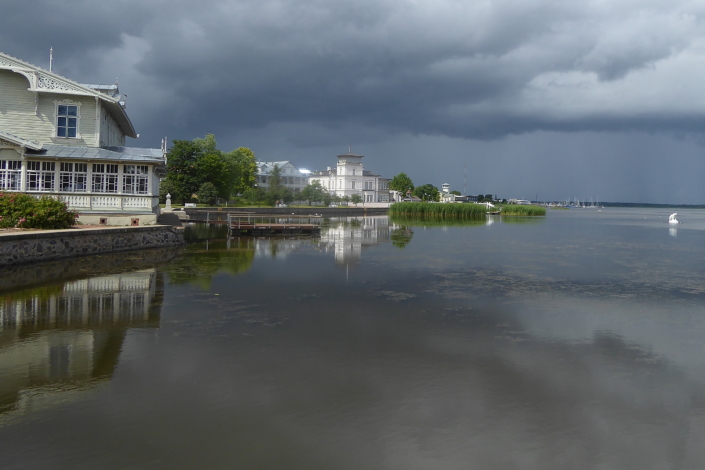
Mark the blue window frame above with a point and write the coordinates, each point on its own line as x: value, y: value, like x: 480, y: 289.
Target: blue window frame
x: 67, y: 121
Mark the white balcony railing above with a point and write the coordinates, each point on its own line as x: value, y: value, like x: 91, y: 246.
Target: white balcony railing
x: 109, y: 203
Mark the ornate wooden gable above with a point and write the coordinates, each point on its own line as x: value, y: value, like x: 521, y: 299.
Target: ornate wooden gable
x: 41, y: 80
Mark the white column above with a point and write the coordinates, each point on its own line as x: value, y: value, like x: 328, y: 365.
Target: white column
x: 149, y: 180
x: 97, y: 121
x: 89, y: 177
x: 57, y: 185
x: 23, y: 176
x: 119, y: 188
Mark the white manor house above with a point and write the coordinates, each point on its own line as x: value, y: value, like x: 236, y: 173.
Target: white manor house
x: 350, y: 177
x: 67, y: 140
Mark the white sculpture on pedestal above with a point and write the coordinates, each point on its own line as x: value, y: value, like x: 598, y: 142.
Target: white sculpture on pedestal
x: 167, y: 208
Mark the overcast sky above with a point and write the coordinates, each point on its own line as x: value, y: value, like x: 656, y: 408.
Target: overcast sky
x: 601, y: 99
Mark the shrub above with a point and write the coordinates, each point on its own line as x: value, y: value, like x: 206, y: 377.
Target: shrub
x: 19, y: 210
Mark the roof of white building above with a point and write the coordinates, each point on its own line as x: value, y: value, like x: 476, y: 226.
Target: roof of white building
x: 122, y: 154
x: 349, y: 154
x: 265, y: 168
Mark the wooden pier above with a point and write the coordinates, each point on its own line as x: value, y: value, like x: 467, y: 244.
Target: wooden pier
x: 246, y: 224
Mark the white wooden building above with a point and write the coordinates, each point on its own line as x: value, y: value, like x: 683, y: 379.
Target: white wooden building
x: 67, y: 140
x: 291, y: 176
x: 350, y: 177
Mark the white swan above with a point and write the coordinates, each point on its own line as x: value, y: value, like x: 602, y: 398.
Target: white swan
x: 672, y: 218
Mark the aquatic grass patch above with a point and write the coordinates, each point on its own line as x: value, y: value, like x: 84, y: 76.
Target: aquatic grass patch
x: 440, y: 211
x: 519, y: 209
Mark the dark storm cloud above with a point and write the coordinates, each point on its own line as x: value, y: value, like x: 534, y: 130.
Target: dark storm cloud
x: 464, y: 69
x: 380, y: 71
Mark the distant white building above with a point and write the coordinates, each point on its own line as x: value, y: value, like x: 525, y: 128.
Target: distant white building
x: 291, y: 176
x: 350, y: 177
x: 445, y: 195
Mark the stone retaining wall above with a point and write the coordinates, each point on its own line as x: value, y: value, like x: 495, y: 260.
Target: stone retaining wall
x: 28, y: 247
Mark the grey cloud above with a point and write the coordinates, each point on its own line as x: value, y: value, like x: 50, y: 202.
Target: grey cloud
x: 372, y: 70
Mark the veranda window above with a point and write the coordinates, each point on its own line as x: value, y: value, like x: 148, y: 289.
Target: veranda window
x: 73, y: 177
x: 135, y: 179
x: 40, y: 176
x: 10, y: 175
x: 105, y: 178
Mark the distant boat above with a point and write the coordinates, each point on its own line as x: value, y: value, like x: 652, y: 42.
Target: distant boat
x: 672, y: 218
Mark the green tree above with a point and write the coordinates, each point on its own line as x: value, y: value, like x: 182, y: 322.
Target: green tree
x: 242, y: 169
x: 313, y: 192
x: 207, y: 193
x: 356, y: 199
x: 427, y: 192
x: 456, y: 192
x: 182, y: 173
x: 275, y: 178
x: 401, y: 183
x: 192, y: 163
x: 212, y: 168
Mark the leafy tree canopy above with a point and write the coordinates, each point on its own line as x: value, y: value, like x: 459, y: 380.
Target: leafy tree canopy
x: 207, y: 193
x: 427, y: 192
x: 355, y: 199
x: 313, y: 192
x: 401, y: 183
x: 192, y: 163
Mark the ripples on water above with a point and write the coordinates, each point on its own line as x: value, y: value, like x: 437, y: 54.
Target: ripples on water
x: 574, y: 341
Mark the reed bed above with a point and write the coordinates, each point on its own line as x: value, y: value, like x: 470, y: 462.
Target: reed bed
x: 517, y: 209
x: 440, y: 211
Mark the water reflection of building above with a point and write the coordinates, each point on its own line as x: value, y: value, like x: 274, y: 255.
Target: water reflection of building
x: 278, y: 248
x: 67, y: 337
x: 347, y: 236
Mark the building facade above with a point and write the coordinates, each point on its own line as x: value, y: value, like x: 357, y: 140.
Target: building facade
x: 291, y: 176
x: 350, y: 177
x: 67, y: 140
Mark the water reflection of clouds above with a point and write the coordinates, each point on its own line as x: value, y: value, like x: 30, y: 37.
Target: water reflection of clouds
x: 68, y: 336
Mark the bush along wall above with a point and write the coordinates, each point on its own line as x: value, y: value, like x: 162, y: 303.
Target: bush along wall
x: 19, y: 210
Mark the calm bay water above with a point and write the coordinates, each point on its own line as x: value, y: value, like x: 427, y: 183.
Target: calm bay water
x: 572, y: 341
